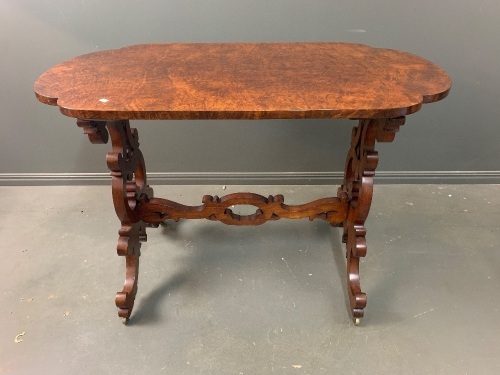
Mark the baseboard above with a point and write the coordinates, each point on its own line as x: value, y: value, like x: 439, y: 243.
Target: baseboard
x: 254, y: 178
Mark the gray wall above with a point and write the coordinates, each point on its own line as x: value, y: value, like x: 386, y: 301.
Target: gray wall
x: 458, y: 138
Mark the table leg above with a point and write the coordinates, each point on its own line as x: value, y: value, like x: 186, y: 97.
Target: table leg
x: 362, y: 160
x: 129, y: 184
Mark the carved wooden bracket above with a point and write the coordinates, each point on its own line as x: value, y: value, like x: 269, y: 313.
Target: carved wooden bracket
x: 387, y: 128
x: 157, y: 210
x: 95, y: 130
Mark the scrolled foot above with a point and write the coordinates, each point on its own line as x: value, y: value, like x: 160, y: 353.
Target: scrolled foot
x: 357, y: 299
x: 124, y: 300
x: 125, y: 304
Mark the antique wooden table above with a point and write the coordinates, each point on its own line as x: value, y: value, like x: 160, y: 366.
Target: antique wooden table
x: 376, y: 87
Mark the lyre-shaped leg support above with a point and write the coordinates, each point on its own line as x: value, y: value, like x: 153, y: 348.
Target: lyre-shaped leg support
x: 129, y: 184
x: 362, y: 160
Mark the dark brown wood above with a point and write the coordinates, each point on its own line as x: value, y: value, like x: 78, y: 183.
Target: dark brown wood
x: 95, y: 130
x: 157, y: 210
x: 362, y: 160
x: 129, y: 184
x: 243, y: 81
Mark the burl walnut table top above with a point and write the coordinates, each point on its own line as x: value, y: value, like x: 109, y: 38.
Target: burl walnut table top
x: 243, y: 80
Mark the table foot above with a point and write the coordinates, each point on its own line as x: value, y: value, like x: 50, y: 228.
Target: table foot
x: 356, y: 248
x: 129, y: 245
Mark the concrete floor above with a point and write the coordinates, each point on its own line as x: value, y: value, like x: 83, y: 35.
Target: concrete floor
x: 215, y: 299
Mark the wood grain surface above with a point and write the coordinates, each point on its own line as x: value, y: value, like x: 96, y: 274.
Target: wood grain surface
x: 242, y: 81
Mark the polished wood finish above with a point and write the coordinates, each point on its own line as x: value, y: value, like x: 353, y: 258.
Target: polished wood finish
x: 362, y: 160
x: 128, y: 182
x: 245, y: 81
x: 156, y: 210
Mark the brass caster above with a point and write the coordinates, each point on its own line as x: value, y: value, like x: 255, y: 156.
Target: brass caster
x: 125, y: 321
x: 357, y: 321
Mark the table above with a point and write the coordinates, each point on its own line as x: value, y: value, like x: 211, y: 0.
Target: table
x: 376, y: 87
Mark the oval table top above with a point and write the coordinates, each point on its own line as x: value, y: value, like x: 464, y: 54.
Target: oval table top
x: 242, y: 81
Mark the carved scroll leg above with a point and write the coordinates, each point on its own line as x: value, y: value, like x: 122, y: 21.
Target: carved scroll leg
x: 129, y: 184
x: 361, y: 163
x: 128, y: 173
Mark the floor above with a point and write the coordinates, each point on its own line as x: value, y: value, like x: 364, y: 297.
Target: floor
x: 215, y: 299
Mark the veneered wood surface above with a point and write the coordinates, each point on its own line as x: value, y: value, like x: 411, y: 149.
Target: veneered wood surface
x: 244, y: 81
